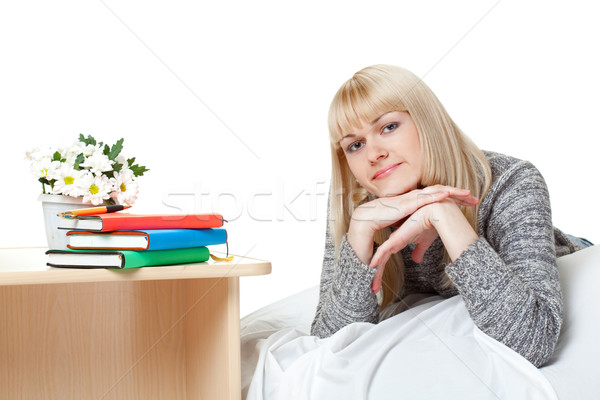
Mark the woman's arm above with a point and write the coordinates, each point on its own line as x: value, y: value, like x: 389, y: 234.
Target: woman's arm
x: 345, y: 294
x: 443, y: 219
x: 507, y: 275
x: 380, y: 213
x: 508, y: 278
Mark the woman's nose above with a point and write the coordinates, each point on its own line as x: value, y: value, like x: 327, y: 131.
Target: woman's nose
x: 377, y: 153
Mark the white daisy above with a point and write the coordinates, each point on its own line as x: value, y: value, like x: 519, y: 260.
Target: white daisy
x: 121, y: 159
x: 97, y: 163
x: 44, y: 167
x: 70, y: 153
x: 36, y: 154
x: 68, y: 181
x: 125, y: 190
x: 88, y: 149
x: 96, y: 188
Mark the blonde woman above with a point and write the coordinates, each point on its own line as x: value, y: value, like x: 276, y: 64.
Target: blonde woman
x: 416, y: 209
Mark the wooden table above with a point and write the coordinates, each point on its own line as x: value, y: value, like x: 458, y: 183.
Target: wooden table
x: 149, y: 333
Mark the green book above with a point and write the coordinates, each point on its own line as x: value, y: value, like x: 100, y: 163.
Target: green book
x: 70, y: 258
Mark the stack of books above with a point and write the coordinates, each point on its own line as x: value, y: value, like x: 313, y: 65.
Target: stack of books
x: 123, y: 240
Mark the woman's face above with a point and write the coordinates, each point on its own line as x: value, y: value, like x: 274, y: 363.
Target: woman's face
x: 384, y: 155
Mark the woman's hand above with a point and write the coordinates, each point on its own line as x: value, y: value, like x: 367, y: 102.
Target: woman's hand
x: 443, y: 219
x: 377, y: 214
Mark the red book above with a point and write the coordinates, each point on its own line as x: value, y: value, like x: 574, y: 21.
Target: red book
x: 124, y: 221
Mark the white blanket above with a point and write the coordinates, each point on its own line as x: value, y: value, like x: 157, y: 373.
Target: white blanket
x: 430, y: 351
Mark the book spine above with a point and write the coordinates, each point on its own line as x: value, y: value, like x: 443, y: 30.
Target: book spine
x: 183, y: 238
x: 95, y: 244
x: 137, y: 259
x: 190, y: 221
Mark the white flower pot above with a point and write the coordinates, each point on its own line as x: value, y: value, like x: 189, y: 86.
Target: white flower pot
x: 52, y: 204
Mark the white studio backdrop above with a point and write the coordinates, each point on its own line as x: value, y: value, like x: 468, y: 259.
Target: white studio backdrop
x: 226, y: 103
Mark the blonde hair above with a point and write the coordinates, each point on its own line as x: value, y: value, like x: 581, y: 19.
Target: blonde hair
x: 449, y: 157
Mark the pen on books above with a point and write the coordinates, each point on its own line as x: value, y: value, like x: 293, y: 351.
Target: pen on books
x: 93, y: 210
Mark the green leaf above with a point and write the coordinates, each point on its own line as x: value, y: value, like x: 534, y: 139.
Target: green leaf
x: 115, y: 150
x: 56, y: 156
x: 138, y: 170
x: 106, y: 150
x: 89, y: 140
x: 130, y: 161
x: 117, y: 167
x: 78, y: 160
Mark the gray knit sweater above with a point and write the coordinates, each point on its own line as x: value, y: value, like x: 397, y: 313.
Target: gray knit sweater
x: 508, y: 278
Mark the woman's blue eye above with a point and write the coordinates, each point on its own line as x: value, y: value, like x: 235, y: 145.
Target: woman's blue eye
x: 354, y: 146
x: 390, y: 127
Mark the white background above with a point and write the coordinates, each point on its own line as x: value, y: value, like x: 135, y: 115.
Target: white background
x: 226, y: 103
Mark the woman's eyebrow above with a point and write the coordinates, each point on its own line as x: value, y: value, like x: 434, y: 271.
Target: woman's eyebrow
x: 381, y: 116
x: 351, y: 135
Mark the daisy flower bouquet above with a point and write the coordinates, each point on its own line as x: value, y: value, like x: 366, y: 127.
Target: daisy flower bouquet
x: 92, y: 170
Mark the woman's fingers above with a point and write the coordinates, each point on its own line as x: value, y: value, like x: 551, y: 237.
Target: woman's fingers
x: 469, y: 201
x: 423, y: 244
x: 387, y: 211
x: 396, y: 242
x: 424, y: 198
x: 454, y: 191
x: 380, y: 258
x: 460, y: 196
x: 417, y: 230
x: 377, y: 279
x: 429, y: 195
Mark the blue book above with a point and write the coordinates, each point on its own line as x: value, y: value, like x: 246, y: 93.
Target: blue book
x: 150, y: 239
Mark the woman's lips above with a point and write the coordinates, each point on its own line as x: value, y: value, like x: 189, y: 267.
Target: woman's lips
x: 382, y: 173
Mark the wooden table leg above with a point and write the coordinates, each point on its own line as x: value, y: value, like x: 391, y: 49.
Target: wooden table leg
x: 212, y: 334
x: 114, y: 340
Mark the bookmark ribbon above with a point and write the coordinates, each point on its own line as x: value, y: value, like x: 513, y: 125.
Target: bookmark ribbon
x: 226, y: 258
x: 229, y: 258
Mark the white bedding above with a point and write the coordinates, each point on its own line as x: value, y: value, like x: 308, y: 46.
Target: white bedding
x: 430, y: 351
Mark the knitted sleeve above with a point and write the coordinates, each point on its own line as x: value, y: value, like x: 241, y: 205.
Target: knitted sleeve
x: 508, y: 278
x: 345, y: 294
